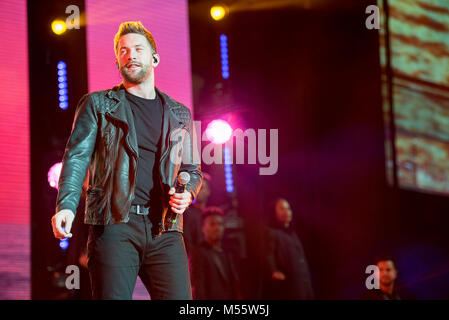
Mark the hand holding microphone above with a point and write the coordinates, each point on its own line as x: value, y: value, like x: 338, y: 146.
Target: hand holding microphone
x: 180, y: 198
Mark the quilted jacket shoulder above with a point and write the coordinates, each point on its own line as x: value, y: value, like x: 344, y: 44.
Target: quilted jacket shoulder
x: 100, y: 100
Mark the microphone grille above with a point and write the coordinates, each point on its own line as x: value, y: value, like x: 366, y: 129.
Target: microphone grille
x: 184, y: 177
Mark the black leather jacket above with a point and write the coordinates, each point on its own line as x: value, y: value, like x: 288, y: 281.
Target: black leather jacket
x: 103, y: 144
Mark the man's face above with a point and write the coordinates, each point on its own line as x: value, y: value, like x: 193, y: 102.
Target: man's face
x: 134, y: 56
x: 213, y: 228
x: 283, y: 211
x: 387, y: 272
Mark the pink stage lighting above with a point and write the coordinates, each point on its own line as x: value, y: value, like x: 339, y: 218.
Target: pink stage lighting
x: 53, y: 175
x: 218, y: 131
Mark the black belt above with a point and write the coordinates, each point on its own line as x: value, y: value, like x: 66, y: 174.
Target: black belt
x: 139, y: 209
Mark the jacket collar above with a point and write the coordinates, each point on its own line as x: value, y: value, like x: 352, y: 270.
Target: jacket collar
x: 118, y: 92
x: 118, y: 110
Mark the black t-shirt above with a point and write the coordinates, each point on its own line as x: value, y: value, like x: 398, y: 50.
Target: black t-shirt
x: 148, y: 123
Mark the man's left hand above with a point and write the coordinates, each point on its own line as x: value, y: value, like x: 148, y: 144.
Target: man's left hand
x: 179, y: 201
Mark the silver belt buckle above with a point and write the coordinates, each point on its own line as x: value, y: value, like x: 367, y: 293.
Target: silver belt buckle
x: 138, y: 207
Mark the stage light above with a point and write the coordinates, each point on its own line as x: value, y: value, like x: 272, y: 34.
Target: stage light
x: 53, y: 175
x: 218, y: 131
x: 62, y: 85
x: 58, y: 27
x: 228, y: 170
x: 224, y: 56
x: 64, y: 243
x: 218, y: 12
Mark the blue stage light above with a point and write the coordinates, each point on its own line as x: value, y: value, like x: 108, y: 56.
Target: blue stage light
x: 224, y: 56
x: 228, y: 170
x: 64, y: 243
x: 61, y: 65
x: 62, y: 85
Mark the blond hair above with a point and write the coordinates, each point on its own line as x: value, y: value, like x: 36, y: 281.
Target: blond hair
x: 134, y: 27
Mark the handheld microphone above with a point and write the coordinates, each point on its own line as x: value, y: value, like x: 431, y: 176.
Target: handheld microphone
x: 180, y: 187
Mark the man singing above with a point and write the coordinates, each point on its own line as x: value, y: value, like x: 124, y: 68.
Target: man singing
x: 132, y: 141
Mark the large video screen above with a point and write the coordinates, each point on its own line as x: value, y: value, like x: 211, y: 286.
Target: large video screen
x: 15, y: 190
x: 168, y: 22
x: 419, y: 58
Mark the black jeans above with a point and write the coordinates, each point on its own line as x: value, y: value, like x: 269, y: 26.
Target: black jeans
x: 118, y: 253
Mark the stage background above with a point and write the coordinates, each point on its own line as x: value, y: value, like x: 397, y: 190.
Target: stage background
x: 167, y: 20
x: 15, y: 153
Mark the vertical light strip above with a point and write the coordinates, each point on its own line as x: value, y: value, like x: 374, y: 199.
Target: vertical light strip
x: 224, y: 56
x: 62, y: 85
x: 228, y: 170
